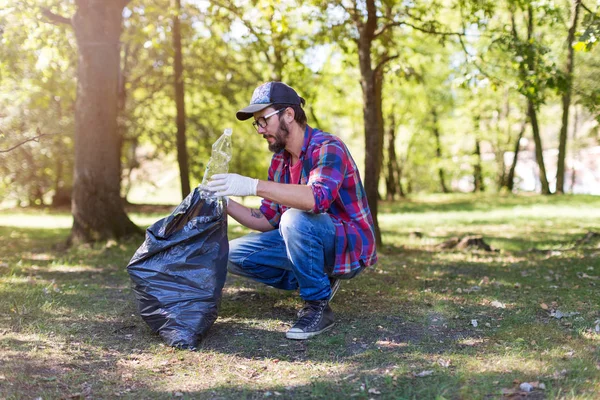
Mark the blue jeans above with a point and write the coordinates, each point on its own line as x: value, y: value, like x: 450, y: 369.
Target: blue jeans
x: 297, y: 255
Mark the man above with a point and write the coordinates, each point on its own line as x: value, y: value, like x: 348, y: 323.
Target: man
x: 314, y: 221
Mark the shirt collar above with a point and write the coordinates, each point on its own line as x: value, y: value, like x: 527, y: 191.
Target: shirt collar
x: 308, y: 132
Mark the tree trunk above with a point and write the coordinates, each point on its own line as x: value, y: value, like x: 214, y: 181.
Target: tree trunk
x: 478, y: 171
x: 371, y: 119
x: 97, y: 209
x: 510, y: 180
x: 539, y: 152
x: 182, y: 156
x: 438, y: 151
x: 574, y: 136
x: 500, y: 147
x: 392, y: 179
x: 566, y: 100
x: 531, y: 107
x: 380, y: 123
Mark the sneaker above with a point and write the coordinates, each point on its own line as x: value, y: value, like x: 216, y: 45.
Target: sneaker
x: 317, y: 317
x: 335, y: 285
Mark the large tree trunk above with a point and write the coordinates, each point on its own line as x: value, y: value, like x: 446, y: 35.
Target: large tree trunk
x: 97, y: 209
x: 182, y: 156
x: 566, y: 100
x: 371, y: 119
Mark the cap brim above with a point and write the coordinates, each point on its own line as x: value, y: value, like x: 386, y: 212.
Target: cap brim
x: 249, y: 111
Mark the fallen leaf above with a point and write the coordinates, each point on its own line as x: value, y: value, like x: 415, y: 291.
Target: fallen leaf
x: 526, y: 387
x: 423, y: 374
x: 583, y: 275
x: 444, y: 363
x: 374, y: 391
x: 497, y: 304
x: 544, y: 306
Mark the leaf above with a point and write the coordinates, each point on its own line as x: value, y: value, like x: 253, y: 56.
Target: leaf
x: 544, y: 306
x: 497, y: 304
x: 374, y: 391
x: 424, y: 373
x: 580, y: 46
x: 444, y: 363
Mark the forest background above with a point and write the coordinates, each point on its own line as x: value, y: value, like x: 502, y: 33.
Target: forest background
x: 100, y: 100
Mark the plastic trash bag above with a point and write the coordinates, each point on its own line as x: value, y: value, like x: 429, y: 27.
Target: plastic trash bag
x: 179, y: 271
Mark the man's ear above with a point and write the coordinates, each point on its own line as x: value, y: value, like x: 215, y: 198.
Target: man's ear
x: 289, y: 115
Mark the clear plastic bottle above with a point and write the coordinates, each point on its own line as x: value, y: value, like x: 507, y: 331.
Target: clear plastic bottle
x: 219, y: 159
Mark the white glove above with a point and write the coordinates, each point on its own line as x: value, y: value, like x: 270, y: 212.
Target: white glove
x: 232, y: 185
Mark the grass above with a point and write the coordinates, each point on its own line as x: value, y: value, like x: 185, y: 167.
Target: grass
x: 404, y: 330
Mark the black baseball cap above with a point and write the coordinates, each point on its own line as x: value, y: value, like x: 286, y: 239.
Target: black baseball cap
x: 267, y: 94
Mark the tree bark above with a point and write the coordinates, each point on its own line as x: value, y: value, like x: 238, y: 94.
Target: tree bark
x: 510, y: 180
x: 531, y: 107
x: 566, y: 99
x: 477, y: 170
x: 392, y: 179
x: 370, y: 112
x: 182, y: 156
x: 573, y: 138
x: 539, y: 152
x: 98, y: 212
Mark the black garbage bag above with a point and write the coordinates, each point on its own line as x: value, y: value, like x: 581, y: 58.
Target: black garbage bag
x: 179, y: 271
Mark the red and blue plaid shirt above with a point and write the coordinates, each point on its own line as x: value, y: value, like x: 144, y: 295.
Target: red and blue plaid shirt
x: 330, y: 170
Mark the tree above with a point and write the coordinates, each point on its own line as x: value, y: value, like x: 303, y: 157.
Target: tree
x: 566, y: 98
x: 97, y: 209
x: 182, y: 156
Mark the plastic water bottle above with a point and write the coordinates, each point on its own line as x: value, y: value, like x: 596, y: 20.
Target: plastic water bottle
x: 219, y: 159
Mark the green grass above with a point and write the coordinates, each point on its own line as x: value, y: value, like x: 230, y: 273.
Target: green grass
x: 69, y: 325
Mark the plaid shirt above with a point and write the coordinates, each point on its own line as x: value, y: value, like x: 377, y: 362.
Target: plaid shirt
x: 330, y: 170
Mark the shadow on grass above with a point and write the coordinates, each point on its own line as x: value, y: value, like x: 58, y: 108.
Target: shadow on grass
x: 401, y: 317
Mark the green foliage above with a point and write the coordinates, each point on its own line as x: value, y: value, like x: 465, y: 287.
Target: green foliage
x: 37, y: 95
x: 461, y: 59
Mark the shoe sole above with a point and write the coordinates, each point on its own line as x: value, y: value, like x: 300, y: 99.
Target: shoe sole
x: 306, y: 335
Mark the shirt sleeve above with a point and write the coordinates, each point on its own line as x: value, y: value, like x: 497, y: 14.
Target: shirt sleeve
x: 270, y: 209
x: 327, y: 174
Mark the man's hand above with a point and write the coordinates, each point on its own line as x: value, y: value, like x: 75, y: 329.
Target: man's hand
x: 232, y: 185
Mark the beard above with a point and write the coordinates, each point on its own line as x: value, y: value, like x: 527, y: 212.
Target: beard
x: 281, y: 136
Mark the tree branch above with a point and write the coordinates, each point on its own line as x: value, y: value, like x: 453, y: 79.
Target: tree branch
x: 384, y: 61
x: 386, y: 27
x: 587, y: 9
x: 33, y: 139
x: 249, y: 25
x: 433, y: 31
x: 55, y: 18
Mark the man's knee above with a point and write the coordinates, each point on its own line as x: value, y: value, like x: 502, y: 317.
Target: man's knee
x: 293, y: 220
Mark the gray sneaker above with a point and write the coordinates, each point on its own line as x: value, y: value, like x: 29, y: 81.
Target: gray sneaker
x: 316, y: 318
x: 335, y: 285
